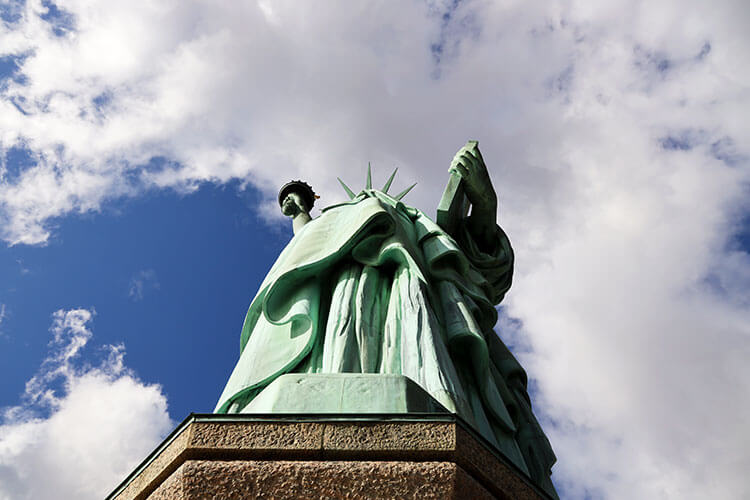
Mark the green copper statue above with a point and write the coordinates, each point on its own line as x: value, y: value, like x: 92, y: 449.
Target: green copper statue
x: 375, y: 286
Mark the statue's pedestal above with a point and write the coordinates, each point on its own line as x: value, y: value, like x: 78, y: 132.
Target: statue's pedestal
x: 428, y: 455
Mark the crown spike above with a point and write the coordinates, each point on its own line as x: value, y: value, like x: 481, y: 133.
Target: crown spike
x: 404, y: 192
x: 388, y: 184
x: 346, y: 188
x: 369, y: 177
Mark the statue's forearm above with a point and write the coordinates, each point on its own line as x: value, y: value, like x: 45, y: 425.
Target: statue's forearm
x: 300, y: 220
x: 482, y: 223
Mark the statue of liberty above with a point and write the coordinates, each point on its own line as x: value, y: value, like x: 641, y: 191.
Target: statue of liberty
x: 374, y: 286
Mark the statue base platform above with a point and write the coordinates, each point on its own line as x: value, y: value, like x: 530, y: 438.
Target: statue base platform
x: 303, y: 456
x: 343, y: 393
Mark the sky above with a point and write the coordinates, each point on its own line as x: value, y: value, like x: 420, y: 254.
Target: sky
x: 142, y: 145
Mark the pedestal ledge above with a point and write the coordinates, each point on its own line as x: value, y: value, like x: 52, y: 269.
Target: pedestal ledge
x: 324, y: 456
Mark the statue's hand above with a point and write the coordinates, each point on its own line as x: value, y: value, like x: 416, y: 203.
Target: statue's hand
x: 292, y: 205
x: 469, y: 165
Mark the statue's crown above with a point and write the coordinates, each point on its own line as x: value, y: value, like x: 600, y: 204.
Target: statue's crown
x: 368, y: 185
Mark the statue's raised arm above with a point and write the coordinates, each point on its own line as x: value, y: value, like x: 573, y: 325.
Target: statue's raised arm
x: 296, y: 199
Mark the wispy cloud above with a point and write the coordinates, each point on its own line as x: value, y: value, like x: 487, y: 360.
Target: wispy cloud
x: 140, y: 283
x: 22, y: 267
x: 79, y: 428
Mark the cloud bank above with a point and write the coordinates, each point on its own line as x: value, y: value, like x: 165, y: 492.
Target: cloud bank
x: 80, y: 429
x: 616, y: 134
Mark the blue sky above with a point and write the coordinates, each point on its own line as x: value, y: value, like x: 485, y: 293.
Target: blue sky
x: 199, y: 259
x: 142, y: 145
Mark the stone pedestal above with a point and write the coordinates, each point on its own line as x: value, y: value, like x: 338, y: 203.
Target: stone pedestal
x: 243, y: 456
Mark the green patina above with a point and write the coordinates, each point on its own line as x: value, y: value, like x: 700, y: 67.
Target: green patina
x: 375, y: 286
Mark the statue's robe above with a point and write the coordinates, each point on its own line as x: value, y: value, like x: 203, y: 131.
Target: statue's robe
x: 375, y: 286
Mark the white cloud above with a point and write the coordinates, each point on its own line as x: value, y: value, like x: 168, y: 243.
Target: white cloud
x: 80, y: 429
x: 22, y: 269
x: 615, y: 131
x: 142, y: 281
